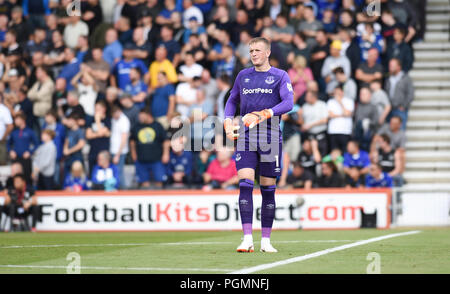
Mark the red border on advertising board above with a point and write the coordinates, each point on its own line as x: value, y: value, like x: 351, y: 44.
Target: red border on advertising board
x: 151, y: 193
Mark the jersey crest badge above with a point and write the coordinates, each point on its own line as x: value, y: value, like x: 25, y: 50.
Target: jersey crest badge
x: 270, y: 80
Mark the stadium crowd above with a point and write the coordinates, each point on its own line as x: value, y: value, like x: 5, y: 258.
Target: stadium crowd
x: 87, y: 93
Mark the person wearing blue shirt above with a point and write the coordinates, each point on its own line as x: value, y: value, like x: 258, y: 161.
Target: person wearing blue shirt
x: 179, y: 168
x: 51, y: 123
x: 22, y: 143
x: 163, y: 101
x: 113, y: 49
x: 105, y: 175
x: 121, y: 72
x: 137, y: 88
x: 71, y: 68
x: 356, y: 164
x: 377, y: 178
x: 36, y: 10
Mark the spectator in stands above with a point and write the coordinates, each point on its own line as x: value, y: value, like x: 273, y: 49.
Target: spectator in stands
x: 397, y: 137
x: 340, y: 123
x: 190, y: 11
x: 143, y: 49
x: 310, y: 25
x: 163, y: 101
x: 54, y: 56
x: 370, y: 39
x: 120, y: 131
x: 336, y: 157
x: 87, y: 89
x: 369, y: 70
x: 73, y: 106
x: 333, y: 61
x: 179, y: 168
x: 44, y: 161
x: 52, y: 123
x: 198, y: 46
x: 217, y: 53
x: 130, y: 109
x: 300, y: 48
x: 381, y: 100
x: 366, y: 119
x: 356, y: 164
x: 71, y: 68
x: 150, y: 150
x: 190, y: 68
x: 221, y: 172
x: 283, y: 33
x: 377, y: 178
x: 390, y: 160
x: 120, y: 76
x: 350, y: 48
x: 137, y: 88
x: 194, y: 27
x: 92, y: 14
x: 400, y: 89
x: 299, y: 178
x: 105, y: 175
x: 300, y: 75
x: 74, y: 29
x: 98, y: 68
x: 188, y: 94
x: 76, y: 180
x: 74, y: 142
x: 6, y: 127
x: 310, y: 156
x: 112, y: 53
x: 19, y: 26
x: 22, y: 143
x: 330, y: 177
x: 348, y: 84
x: 163, y: 64
x: 319, y: 53
x: 314, y: 120
x: 98, y: 133
x: 172, y: 46
x: 227, y: 64
x: 123, y: 27
x: 400, y: 50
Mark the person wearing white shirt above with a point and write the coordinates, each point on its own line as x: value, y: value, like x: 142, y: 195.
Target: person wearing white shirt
x: 189, y: 69
x: 314, y: 120
x: 340, y: 123
x: 6, y: 127
x: 120, y: 131
x: 191, y: 11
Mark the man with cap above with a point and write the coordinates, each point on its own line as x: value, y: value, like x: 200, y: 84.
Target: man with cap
x: 334, y: 60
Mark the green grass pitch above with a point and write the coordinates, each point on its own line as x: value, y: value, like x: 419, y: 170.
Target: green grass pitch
x: 214, y: 252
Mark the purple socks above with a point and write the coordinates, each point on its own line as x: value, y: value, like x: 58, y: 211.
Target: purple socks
x: 246, y: 207
x: 267, y: 210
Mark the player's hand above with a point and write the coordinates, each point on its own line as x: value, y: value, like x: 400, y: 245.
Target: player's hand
x: 256, y: 117
x: 231, y: 131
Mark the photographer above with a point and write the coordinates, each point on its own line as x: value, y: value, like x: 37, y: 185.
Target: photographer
x: 21, y: 202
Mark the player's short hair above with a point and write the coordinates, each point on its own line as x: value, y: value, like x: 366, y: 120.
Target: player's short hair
x: 260, y: 40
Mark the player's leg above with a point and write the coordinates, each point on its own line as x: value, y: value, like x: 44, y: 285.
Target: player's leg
x: 270, y: 169
x: 246, y: 164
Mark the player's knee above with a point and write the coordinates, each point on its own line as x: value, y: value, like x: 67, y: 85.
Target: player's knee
x: 246, y: 184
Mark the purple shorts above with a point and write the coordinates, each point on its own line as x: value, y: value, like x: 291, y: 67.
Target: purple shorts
x: 268, y: 160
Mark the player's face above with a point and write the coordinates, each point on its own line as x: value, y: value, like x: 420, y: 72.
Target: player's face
x: 259, y: 53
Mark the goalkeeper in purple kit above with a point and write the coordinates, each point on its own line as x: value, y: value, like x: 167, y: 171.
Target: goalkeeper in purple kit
x: 264, y: 93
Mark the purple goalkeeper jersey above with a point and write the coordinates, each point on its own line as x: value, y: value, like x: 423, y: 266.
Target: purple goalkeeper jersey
x: 256, y: 91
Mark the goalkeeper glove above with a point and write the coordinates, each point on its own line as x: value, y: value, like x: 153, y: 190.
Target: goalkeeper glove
x: 256, y: 117
x: 231, y: 130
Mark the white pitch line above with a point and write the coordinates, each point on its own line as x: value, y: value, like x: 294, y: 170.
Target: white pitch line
x: 319, y: 253
x: 116, y: 268
x: 157, y: 244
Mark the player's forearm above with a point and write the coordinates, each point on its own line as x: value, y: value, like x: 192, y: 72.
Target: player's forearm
x: 283, y: 107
